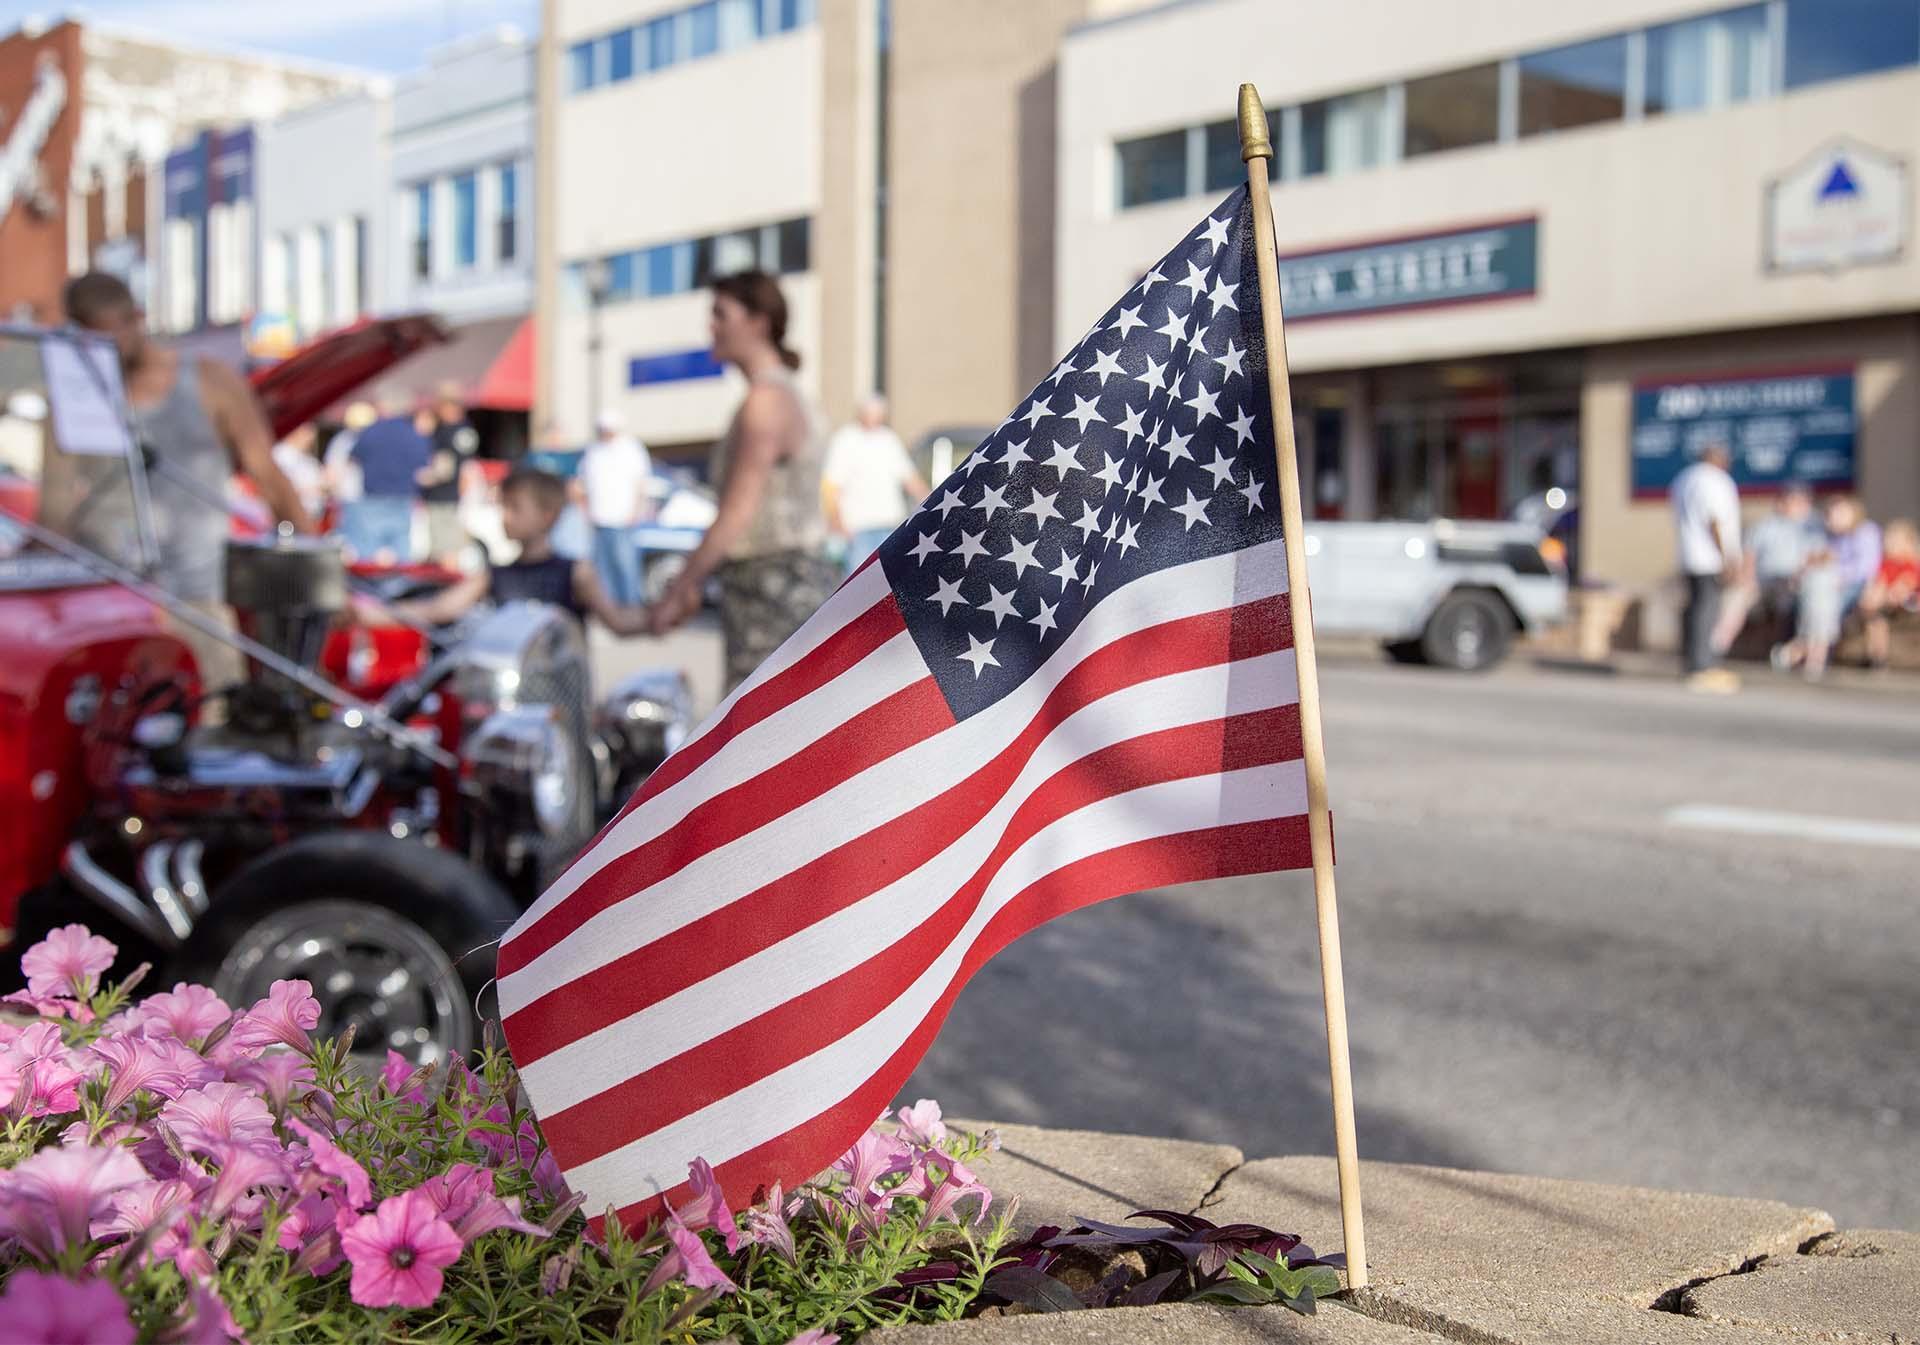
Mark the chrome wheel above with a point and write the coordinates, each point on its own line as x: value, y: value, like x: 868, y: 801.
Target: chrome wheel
x: 371, y: 969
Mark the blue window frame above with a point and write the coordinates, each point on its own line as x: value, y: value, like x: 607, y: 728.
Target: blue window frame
x: 663, y: 48
x: 580, y: 67
x: 466, y: 220
x: 1709, y: 61
x: 1836, y: 39
x: 620, y: 55
x: 1573, y: 86
x: 508, y: 242
x: 703, y: 24
x: 622, y: 269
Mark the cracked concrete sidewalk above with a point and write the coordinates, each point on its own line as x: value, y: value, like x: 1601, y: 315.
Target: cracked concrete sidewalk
x: 1474, y: 1257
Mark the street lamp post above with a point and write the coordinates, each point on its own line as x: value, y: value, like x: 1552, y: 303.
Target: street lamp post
x: 599, y: 279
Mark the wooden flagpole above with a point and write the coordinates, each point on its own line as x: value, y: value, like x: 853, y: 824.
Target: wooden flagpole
x: 1256, y: 149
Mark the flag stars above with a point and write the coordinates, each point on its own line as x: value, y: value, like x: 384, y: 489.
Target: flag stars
x: 1129, y: 538
x: 1175, y: 446
x: 1204, y: 403
x: 926, y: 546
x: 1151, y: 279
x: 1106, y: 363
x: 1042, y: 620
x: 1068, y: 570
x: 1221, y: 469
x: 970, y: 546
x: 1037, y: 411
x: 1197, y: 343
x: 1195, y: 283
x: 1150, y: 492
x: 999, y: 605
x: 948, y: 503
x: 992, y: 500
x: 1129, y: 319
x: 1193, y: 511
x: 1041, y: 507
x: 1088, y: 522
x: 1154, y: 376
x: 1175, y: 330
x: 1020, y: 556
x: 1086, y: 409
x: 1233, y: 362
x: 1015, y: 455
x: 1065, y: 458
x: 1251, y: 491
x: 1216, y: 231
x: 1131, y: 426
x: 1221, y: 296
x: 1242, y: 428
x: 979, y: 654
x: 947, y: 594
x: 1109, y: 473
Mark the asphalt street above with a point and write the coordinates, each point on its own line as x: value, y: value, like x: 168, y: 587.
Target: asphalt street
x: 1594, y: 927
x: 1544, y: 973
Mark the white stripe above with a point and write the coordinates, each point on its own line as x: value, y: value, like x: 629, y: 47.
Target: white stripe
x: 844, y: 606
x: 1755, y: 822
x: 769, y: 1107
x: 888, y: 788
x: 893, y: 666
x: 847, y: 938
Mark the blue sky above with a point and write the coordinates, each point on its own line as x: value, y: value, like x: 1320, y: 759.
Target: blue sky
x: 389, y: 35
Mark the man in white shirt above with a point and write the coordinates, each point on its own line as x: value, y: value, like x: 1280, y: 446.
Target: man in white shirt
x: 615, y: 475
x: 869, y: 483
x: 1706, y: 516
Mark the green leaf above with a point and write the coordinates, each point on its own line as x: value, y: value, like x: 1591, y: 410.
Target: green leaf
x: 1234, y: 1291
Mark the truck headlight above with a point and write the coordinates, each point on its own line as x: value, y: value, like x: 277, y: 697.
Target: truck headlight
x: 522, y: 762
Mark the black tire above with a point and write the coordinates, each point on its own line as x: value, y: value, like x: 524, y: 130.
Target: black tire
x: 1405, y: 651
x: 1469, y: 632
x: 370, y: 907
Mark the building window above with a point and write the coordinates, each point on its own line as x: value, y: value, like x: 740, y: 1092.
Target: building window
x: 349, y: 293
x: 422, y: 230
x: 663, y: 47
x: 507, y: 244
x: 310, y: 293
x: 466, y: 220
x: 703, y: 35
x: 362, y: 301
x: 1225, y: 168
x: 1152, y: 168
x: 783, y: 16
x: 1346, y: 134
x: 1454, y: 110
x: 327, y: 309
x: 796, y: 245
x: 619, y: 62
x: 276, y: 276
x: 580, y: 66
x: 736, y: 252
x: 739, y: 23
x: 1832, y: 39
x: 1710, y: 61
x: 1573, y: 86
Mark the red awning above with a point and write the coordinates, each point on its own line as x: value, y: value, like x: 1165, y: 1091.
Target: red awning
x: 306, y: 383
x: 489, y: 363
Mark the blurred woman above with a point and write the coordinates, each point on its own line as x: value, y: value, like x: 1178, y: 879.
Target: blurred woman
x: 767, y: 543
x: 1894, y: 588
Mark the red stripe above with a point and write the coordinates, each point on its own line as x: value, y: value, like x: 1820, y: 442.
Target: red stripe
x: 910, y: 715
x: 808, y: 1148
x: 606, y: 993
x: 725, y: 1064
x: 833, y: 656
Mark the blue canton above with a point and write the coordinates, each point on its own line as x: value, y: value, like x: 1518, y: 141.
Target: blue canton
x: 1149, y: 445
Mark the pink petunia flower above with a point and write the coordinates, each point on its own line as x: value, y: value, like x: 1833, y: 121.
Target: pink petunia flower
x: 278, y: 1074
x: 48, y: 1006
x: 548, y: 1179
x: 818, y: 1335
x: 686, y: 1258
x: 285, y: 1016
x: 208, y: 1322
x: 218, y: 1112
x: 54, y: 1310
x: 50, y: 1201
x: 311, y: 1231
x: 942, y: 1198
x: 67, y: 962
x: 162, y: 1067
x: 187, y: 1013
x: 49, y: 1086
x: 398, y: 1077
x: 334, y: 1161
x: 708, y: 1208
x: 398, y: 1253
x: 767, y: 1225
x: 145, y: 1209
x: 243, y: 1168
x: 874, y: 1156
x: 921, y: 1125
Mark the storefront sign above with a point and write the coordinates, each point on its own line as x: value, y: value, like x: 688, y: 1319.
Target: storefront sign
x: 678, y: 367
x: 1494, y: 261
x: 1845, y: 205
x: 1782, y: 428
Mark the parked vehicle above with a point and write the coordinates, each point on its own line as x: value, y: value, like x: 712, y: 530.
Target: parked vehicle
x: 1450, y: 593
x: 375, y: 846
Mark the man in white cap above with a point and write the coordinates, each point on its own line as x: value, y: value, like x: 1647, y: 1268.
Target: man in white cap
x: 615, y: 473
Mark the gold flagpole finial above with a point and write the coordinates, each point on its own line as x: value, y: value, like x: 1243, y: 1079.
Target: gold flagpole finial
x: 1254, y: 143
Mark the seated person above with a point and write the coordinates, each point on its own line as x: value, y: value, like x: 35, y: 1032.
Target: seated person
x: 530, y: 505
x: 1895, y: 587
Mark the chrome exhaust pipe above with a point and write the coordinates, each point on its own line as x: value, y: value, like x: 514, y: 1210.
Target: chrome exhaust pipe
x: 116, y: 897
x: 155, y: 864
x: 189, y: 882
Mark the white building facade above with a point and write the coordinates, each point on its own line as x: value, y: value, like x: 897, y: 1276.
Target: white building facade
x: 1537, y: 243
x: 324, y: 186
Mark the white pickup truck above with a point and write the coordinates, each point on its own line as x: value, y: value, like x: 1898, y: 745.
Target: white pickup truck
x: 1448, y: 593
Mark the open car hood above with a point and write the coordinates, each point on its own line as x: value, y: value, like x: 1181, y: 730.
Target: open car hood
x: 313, y: 378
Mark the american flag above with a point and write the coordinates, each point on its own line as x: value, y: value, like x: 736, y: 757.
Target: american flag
x: 1068, y: 676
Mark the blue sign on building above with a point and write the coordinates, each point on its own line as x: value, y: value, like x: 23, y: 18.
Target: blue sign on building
x: 1493, y: 261
x: 215, y: 170
x: 677, y: 367
x: 1782, y: 427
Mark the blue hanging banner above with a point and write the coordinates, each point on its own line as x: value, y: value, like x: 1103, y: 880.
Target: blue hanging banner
x: 1783, y: 427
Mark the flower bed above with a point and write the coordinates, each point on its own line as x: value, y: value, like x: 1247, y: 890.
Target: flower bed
x: 173, y: 1170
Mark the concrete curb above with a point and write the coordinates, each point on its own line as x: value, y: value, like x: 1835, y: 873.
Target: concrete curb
x: 1473, y: 1257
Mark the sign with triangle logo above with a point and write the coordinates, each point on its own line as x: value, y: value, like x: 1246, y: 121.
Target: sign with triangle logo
x: 1839, y: 182
x: 1846, y: 204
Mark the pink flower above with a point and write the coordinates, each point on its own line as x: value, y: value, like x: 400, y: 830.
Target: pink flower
x: 492, y: 1142
x: 767, y: 1225
x: 49, y: 1087
x: 48, y: 1006
x: 921, y: 1125
x: 53, y: 1310
x: 818, y: 1335
x: 276, y: 1073
x: 145, y: 1208
x: 951, y: 1190
x: 67, y: 962
x: 285, y: 1017
x: 164, y: 1068
x: 209, y: 1320
x: 187, y: 1013
x: 398, y: 1073
x: 50, y: 1201
x: 874, y: 1156
x: 463, y: 1196
x: 219, y: 1111
x: 548, y: 1179
x: 398, y: 1252
x: 312, y: 1231
x: 686, y: 1258
x: 708, y: 1208
x: 332, y: 1160
x: 243, y: 1168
